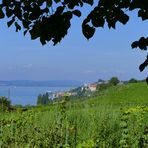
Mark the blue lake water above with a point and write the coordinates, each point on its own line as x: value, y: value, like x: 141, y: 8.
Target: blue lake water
x: 27, y: 95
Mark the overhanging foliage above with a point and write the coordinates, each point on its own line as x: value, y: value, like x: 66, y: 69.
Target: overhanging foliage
x: 50, y: 20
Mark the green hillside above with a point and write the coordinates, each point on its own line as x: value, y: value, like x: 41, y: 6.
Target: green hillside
x: 116, y: 117
x: 134, y: 93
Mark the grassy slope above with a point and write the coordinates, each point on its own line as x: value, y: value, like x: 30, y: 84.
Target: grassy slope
x: 95, y: 116
x: 107, y: 106
x: 111, y: 99
x: 135, y: 93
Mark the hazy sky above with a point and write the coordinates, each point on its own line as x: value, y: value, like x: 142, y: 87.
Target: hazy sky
x: 107, y: 54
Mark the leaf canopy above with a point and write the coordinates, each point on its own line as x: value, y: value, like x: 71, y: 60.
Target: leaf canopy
x: 50, y: 20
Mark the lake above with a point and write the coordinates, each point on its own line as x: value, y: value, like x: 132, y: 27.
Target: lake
x: 27, y: 95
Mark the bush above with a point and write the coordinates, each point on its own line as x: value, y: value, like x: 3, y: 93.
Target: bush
x: 103, y: 86
x: 4, y: 104
x: 132, y: 81
x: 114, y: 81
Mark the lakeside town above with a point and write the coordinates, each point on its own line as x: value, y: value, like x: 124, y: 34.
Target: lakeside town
x: 85, y: 90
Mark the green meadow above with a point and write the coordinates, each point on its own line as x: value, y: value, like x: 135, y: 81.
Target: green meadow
x: 116, y: 117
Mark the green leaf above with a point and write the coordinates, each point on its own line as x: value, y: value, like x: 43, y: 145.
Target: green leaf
x: 25, y: 32
x: 60, y: 10
x: 143, y: 65
x: 77, y: 13
x: 2, y: 15
x: 135, y: 44
x: 124, y: 19
x: 57, y: 1
x: 42, y: 40
x: 88, y: 31
x: 143, y: 14
x: 147, y: 80
x: 98, y: 21
x: 10, y: 22
x: 9, y: 12
x: 18, y: 27
x: 49, y: 3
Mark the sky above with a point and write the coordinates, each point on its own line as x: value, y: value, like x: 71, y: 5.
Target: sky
x: 107, y: 54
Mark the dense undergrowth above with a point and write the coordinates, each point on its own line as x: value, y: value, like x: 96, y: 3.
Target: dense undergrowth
x: 116, y: 118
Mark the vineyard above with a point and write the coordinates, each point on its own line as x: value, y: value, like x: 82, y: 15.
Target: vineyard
x: 116, y: 118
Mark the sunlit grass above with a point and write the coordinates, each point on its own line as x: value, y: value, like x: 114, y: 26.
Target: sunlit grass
x: 95, y: 121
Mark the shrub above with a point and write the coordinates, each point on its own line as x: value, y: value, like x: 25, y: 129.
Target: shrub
x: 114, y: 81
x: 132, y: 81
x: 4, y: 104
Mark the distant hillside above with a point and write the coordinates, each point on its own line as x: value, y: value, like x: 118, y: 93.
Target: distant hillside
x: 134, y: 93
x: 52, y: 83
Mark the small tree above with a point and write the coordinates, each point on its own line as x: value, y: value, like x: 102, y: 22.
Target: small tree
x: 43, y: 99
x: 103, y: 86
x: 114, y: 81
x: 4, y: 104
x: 101, y: 81
x: 132, y: 81
x: 39, y: 100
